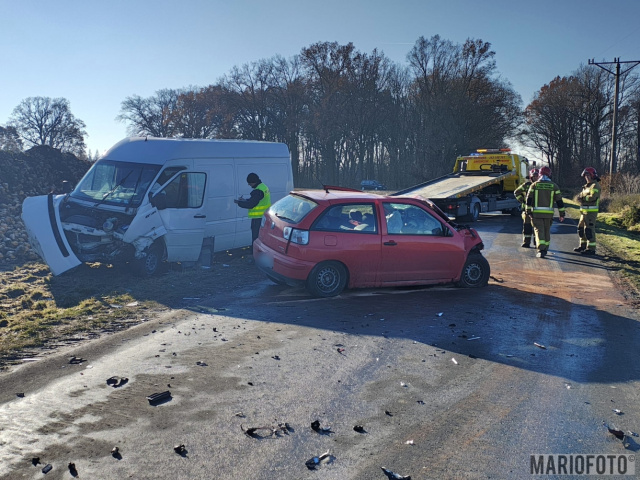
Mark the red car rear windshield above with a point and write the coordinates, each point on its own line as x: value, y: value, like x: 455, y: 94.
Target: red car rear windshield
x: 292, y: 208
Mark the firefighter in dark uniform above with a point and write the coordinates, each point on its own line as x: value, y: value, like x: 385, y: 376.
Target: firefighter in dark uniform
x: 258, y: 203
x: 521, y: 196
x: 589, y: 200
x: 542, y: 195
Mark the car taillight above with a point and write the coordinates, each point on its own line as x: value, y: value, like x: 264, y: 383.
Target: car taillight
x: 301, y: 237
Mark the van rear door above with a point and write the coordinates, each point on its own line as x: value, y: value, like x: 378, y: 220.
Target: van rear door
x: 41, y: 218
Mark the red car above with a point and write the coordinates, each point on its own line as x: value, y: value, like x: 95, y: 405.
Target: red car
x: 328, y: 240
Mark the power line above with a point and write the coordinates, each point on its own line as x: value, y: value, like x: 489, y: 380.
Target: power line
x: 617, y: 73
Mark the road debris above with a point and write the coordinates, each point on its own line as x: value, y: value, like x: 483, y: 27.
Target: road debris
x: 116, y: 382
x: 47, y: 468
x: 35, y: 461
x: 254, y: 432
x: 617, y: 411
x: 314, y: 462
x: 156, y: 398
x: 388, y: 413
x: 115, y: 453
x: 76, y: 360
x: 454, y: 361
x: 395, y: 476
x: 615, y: 431
x: 409, y: 442
x: 180, y: 449
x: 539, y: 345
x: 72, y: 470
x: 20, y: 394
x: 315, y: 426
x: 359, y: 429
x: 201, y: 363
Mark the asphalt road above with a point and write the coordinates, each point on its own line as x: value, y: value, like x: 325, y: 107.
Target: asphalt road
x: 447, y: 383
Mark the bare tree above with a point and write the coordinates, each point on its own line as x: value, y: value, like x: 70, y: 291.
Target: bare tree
x: 154, y: 116
x: 47, y: 121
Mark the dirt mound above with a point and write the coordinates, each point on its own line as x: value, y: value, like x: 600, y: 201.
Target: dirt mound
x: 38, y: 171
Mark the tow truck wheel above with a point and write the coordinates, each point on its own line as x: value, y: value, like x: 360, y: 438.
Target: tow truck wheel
x: 475, y: 272
x: 327, y: 279
x: 150, y: 264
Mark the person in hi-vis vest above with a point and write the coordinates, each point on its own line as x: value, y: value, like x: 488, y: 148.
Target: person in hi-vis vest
x: 258, y: 203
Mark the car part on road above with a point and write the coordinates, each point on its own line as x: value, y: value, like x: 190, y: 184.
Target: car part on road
x: 615, y: 431
x: 359, y: 429
x: 157, y: 398
x: 72, y: 470
x: 394, y: 476
x: 47, y: 468
x: 180, y: 449
x: 35, y: 461
x: 116, y: 382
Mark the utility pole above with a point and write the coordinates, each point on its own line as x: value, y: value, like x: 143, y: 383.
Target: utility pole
x: 617, y: 73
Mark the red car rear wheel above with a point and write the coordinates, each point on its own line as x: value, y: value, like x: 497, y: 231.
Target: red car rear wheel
x: 327, y: 279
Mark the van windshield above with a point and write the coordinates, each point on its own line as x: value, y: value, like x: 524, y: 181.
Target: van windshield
x: 116, y: 183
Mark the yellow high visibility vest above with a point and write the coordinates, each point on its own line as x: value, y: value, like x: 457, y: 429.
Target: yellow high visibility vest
x: 263, y: 205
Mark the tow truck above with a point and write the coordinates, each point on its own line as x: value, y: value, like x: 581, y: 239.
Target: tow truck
x: 483, y: 181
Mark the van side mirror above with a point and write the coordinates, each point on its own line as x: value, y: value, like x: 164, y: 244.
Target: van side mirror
x: 159, y: 201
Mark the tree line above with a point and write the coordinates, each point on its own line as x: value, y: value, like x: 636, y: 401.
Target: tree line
x: 348, y: 115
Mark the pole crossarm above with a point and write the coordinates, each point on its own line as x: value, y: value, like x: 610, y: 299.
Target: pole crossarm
x: 617, y: 73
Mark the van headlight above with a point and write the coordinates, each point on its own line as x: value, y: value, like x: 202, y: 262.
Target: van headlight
x: 301, y: 237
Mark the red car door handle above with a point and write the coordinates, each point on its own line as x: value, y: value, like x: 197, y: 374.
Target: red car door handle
x: 391, y: 243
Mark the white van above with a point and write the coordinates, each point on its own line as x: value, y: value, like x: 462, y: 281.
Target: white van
x: 153, y: 199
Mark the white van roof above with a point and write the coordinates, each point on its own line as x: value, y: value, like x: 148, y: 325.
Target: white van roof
x: 157, y: 151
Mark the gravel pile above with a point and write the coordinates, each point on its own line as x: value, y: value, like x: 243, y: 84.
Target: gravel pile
x: 36, y: 172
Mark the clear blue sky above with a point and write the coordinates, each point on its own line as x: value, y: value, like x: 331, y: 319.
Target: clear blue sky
x: 95, y: 54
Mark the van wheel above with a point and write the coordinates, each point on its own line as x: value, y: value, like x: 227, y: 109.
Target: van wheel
x: 151, y: 263
x: 327, y: 279
x: 475, y: 272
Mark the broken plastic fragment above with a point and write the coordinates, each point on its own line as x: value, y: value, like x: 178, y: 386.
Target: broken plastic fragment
x: 35, y: 461
x: 180, y: 449
x: 617, y: 412
x: 72, y: 470
x: 20, y: 394
x: 201, y: 363
x: 76, y: 360
x: 116, y: 382
x: 539, y: 346
x: 47, y: 468
x: 394, y: 476
x: 359, y: 429
x: 315, y: 426
x: 615, y: 431
x: 313, y: 462
x: 409, y: 442
x: 454, y: 361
